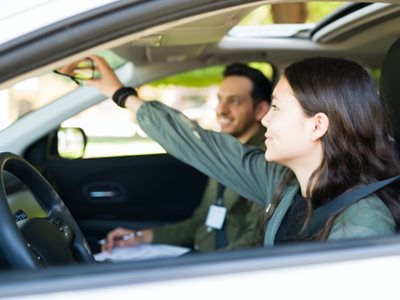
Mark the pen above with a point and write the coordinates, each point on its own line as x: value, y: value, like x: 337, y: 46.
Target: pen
x: 124, y: 237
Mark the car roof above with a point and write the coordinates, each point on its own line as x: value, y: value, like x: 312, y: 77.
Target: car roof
x: 177, y: 39
x: 38, y: 14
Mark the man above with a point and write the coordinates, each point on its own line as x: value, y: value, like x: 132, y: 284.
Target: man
x: 224, y: 220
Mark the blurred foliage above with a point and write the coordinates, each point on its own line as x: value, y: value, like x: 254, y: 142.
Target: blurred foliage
x: 266, y: 68
x: 319, y: 10
x: 376, y: 75
x: 196, y: 78
x: 262, y: 15
x: 316, y: 12
x: 207, y: 76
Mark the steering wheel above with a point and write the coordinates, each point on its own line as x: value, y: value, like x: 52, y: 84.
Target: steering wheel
x: 41, y: 241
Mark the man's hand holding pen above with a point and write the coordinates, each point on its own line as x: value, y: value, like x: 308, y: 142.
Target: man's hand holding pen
x: 122, y: 237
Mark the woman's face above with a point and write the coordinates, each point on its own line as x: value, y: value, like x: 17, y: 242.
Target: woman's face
x: 289, y: 136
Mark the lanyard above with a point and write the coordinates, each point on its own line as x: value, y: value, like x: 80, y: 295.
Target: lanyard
x: 221, y: 239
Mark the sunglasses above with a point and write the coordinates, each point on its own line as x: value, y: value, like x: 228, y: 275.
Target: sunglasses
x: 77, y: 72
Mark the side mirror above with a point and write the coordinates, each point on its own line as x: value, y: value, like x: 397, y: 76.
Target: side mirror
x: 71, y: 142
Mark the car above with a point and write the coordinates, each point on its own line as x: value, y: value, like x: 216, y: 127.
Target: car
x: 74, y: 159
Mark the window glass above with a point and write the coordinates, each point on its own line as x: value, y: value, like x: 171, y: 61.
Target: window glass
x: 36, y: 92
x: 376, y: 75
x: 112, y: 131
x: 289, y: 13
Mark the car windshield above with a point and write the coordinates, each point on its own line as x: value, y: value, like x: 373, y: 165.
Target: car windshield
x: 33, y: 93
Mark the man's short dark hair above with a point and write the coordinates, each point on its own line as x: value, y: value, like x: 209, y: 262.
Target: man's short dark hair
x: 262, y: 87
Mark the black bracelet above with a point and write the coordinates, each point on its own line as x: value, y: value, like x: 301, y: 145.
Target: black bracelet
x: 122, y: 94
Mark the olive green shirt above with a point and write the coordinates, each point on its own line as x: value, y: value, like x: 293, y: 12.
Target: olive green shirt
x: 241, y: 223
x: 244, y: 169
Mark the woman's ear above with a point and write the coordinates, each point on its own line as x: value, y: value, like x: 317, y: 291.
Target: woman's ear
x: 261, y: 110
x: 320, y: 123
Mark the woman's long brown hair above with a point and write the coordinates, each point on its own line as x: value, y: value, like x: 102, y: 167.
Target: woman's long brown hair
x: 357, y: 148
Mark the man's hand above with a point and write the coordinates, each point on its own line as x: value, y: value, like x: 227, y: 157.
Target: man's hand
x: 115, y: 238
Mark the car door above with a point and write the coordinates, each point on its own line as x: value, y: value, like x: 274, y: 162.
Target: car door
x: 117, y: 189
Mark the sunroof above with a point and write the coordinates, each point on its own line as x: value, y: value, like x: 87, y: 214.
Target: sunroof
x: 291, y: 13
x: 270, y: 30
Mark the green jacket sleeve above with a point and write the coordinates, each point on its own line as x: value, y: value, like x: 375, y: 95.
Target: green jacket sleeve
x: 239, y: 167
x: 183, y: 233
x: 252, y: 235
x: 365, y: 218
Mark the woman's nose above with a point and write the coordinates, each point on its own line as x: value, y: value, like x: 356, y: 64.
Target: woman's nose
x: 265, y: 120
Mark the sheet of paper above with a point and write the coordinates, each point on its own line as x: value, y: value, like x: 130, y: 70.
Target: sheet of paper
x: 140, y: 252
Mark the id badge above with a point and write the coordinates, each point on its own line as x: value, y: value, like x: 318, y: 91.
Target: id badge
x: 216, y: 216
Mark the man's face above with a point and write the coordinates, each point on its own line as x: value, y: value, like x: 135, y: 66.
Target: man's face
x: 235, y: 110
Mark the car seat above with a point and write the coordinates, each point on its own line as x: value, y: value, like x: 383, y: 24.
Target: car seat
x: 389, y: 86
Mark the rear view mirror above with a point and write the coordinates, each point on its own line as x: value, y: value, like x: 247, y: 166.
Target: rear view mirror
x: 78, y: 71
x: 71, y: 142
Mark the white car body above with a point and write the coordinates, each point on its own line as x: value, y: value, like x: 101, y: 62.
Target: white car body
x: 360, y: 269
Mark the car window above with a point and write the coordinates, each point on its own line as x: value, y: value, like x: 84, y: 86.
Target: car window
x: 36, y: 92
x: 288, y: 13
x: 112, y: 131
x: 376, y: 75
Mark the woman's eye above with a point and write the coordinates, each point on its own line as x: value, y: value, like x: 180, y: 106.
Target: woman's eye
x: 274, y: 107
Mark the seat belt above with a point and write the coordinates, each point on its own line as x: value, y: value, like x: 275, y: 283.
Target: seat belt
x: 324, y: 212
x: 221, y: 239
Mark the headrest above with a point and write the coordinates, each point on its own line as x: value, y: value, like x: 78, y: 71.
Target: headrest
x: 389, y: 87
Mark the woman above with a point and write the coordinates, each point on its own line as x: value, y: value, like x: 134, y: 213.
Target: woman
x: 326, y: 134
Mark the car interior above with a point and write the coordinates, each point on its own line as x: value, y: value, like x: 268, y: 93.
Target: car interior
x: 77, y: 200
x: 389, y: 89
